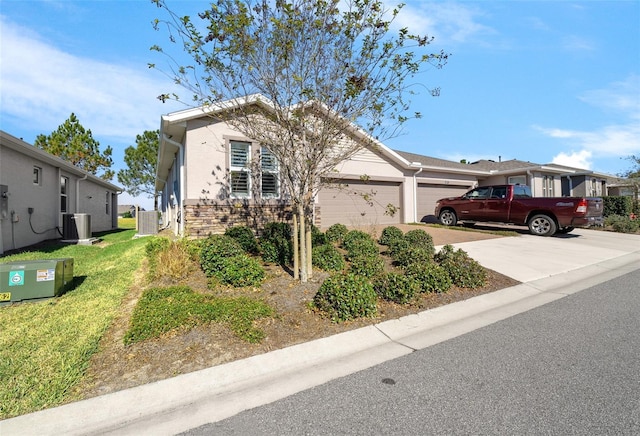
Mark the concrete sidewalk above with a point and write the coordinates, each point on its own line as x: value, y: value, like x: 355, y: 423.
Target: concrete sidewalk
x: 550, y: 269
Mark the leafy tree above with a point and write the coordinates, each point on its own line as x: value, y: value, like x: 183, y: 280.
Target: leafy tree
x: 633, y: 173
x: 312, y: 67
x: 73, y: 143
x: 142, y: 162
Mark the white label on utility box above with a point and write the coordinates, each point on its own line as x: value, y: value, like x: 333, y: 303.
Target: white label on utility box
x: 45, y: 275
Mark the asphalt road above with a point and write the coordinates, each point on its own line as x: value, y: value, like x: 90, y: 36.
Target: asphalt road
x: 569, y: 367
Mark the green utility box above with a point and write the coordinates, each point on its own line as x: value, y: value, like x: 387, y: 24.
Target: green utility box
x: 31, y: 279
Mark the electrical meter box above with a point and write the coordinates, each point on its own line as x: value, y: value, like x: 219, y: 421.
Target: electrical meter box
x: 32, y: 279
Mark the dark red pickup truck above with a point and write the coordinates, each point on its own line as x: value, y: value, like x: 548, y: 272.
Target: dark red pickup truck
x: 514, y: 204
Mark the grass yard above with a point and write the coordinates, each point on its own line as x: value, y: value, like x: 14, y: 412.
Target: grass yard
x: 45, y: 346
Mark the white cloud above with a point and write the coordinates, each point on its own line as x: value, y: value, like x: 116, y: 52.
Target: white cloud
x: 619, y: 139
x: 42, y: 85
x: 579, y: 159
x: 577, y: 43
x: 448, y: 22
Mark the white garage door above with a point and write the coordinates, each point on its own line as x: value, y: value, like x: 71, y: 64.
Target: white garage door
x: 346, y: 205
x: 429, y: 194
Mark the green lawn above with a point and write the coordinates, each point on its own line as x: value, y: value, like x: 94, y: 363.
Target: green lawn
x: 45, y: 346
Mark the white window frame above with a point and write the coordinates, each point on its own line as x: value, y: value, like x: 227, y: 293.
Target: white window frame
x: 547, y: 186
x: 64, y: 194
x: 107, y: 197
x: 37, y: 175
x: 238, y: 167
x: 269, y: 166
x: 515, y: 180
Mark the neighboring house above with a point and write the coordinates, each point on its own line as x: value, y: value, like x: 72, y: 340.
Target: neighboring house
x: 127, y: 208
x: 211, y: 177
x: 38, y: 189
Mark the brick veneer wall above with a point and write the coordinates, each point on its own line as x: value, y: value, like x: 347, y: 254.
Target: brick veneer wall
x: 202, y: 220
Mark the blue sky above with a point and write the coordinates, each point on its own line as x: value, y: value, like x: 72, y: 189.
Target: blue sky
x: 539, y: 81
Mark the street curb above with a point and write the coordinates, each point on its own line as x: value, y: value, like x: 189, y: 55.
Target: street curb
x: 187, y: 401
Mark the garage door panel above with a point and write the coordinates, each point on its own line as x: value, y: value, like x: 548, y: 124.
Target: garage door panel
x: 429, y: 194
x: 359, y: 203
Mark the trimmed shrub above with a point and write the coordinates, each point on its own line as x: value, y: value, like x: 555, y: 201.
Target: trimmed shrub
x: 216, y: 249
x: 366, y: 265
x: 390, y: 234
x: 420, y: 238
x: 430, y: 277
x: 396, y: 247
x: 317, y: 237
x: 622, y: 224
x: 336, y: 233
x: 463, y: 270
x: 245, y: 237
x: 617, y: 205
x: 328, y: 258
x: 355, y: 237
x: 275, y: 243
x: 358, y: 243
x: 346, y: 296
x: 240, y: 271
x: 412, y: 254
x: 396, y: 287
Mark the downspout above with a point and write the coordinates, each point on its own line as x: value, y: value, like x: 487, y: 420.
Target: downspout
x: 415, y: 195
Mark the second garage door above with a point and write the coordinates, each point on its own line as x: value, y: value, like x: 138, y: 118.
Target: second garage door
x: 429, y: 194
x: 346, y: 205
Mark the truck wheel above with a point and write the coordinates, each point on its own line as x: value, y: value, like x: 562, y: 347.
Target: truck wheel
x: 542, y: 225
x: 566, y: 229
x: 448, y: 218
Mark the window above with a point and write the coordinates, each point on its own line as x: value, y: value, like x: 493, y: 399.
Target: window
x: 240, y: 173
x: 64, y: 184
x: 547, y: 186
x: 107, y: 202
x: 270, y: 186
x: 481, y: 193
x: 499, y: 192
x: 37, y: 176
x: 517, y: 180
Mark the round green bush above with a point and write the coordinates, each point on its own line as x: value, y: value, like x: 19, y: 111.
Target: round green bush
x: 430, y: 277
x: 462, y: 269
x: 245, y: 237
x: 390, y: 234
x: 396, y: 247
x: 275, y: 244
x: 328, y: 258
x: 420, y: 238
x: 317, y: 237
x: 412, y: 254
x: 336, y: 232
x: 216, y: 249
x: 240, y: 270
x: 366, y: 265
x: 396, y: 287
x: 346, y: 296
x: 355, y: 237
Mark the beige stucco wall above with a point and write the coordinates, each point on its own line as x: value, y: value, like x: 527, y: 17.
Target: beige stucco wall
x: 16, y: 172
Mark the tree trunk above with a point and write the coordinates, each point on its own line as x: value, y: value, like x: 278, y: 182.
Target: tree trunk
x: 309, y: 251
x: 296, y: 252
x: 304, y: 277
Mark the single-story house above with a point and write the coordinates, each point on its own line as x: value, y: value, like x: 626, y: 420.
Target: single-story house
x: 207, y: 183
x: 39, y: 189
x: 123, y: 209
